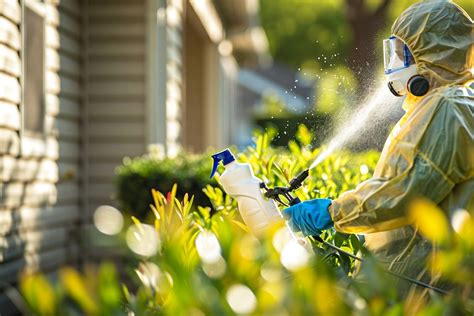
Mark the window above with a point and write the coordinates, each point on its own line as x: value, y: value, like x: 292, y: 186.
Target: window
x: 33, y: 70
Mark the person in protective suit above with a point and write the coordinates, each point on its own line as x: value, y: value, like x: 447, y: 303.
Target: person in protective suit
x: 429, y: 153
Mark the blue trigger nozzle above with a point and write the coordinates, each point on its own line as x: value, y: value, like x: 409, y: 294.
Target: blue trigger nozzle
x: 225, y: 156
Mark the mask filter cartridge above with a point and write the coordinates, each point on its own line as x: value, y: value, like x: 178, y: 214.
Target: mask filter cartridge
x: 418, y: 85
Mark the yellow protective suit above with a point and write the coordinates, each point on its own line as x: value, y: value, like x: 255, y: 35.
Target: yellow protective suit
x: 430, y: 153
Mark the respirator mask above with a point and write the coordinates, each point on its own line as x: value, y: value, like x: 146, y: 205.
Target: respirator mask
x: 400, y: 69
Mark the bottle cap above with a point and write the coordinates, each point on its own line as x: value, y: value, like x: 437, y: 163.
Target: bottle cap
x: 225, y: 156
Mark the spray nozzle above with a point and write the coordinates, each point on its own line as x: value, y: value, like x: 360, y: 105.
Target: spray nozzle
x: 295, y: 183
x: 225, y: 156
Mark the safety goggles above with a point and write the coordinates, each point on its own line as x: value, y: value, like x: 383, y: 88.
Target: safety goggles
x: 396, y: 55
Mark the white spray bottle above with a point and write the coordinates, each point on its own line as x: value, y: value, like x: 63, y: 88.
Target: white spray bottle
x: 239, y: 181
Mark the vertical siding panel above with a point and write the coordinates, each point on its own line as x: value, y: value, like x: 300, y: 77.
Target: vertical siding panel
x: 64, y: 97
x: 116, y: 90
x: 174, y: 63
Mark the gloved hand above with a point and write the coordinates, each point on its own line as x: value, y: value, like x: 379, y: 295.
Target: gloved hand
x: 309, y: 217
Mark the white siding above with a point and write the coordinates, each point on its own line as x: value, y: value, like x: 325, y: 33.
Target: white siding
x: 174, y: 81
x: 115, y: 93
x: 39, y: 190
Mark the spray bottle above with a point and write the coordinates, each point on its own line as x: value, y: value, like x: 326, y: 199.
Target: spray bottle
x: 239, y: 181
x: 258, y: 209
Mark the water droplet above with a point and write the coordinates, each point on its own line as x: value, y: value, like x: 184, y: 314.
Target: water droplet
x: 143, y: 239
x: 208, y: 247
x: 280, y: 238
x: 241, y: 299
x: 216, y: 269
x: 108, y: 220
x: 270, y: 272
x: 294, y: 255
x: 149, y: 274
x: 459, y: 219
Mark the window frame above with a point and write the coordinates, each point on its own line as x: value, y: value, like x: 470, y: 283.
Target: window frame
x: 33, y: 139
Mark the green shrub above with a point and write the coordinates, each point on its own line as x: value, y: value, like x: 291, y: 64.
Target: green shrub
x: 137, y: 177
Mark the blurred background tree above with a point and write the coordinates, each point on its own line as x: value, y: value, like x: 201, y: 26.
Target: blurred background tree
x: 318, y: 35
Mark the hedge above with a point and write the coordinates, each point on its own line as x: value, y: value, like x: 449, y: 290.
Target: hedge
x: 138, y: 176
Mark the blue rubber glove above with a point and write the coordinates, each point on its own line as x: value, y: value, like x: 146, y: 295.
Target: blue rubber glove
x: 309, y: 217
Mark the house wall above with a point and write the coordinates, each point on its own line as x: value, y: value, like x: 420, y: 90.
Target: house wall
x: 115, y: 92
x: 209, y: 81
x: 196, y: 74
x: 111, y: 90
x: 40, y: 178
